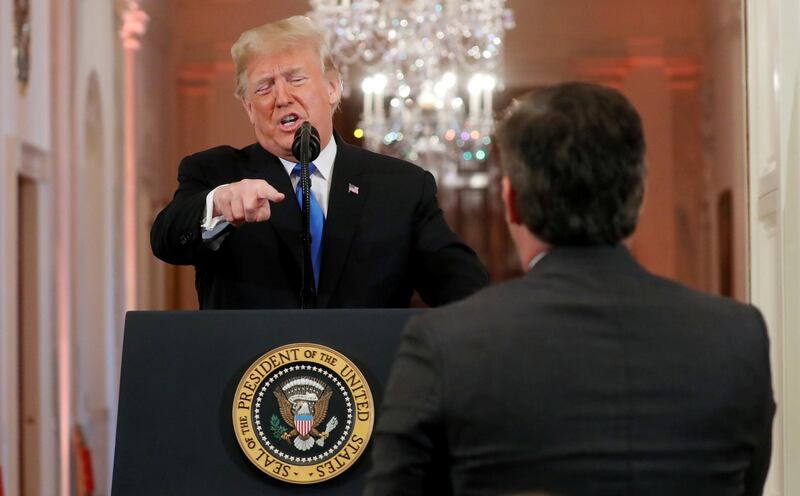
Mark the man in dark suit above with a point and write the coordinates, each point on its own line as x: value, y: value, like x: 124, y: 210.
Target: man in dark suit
x: 236, y: 218
x: 588, y: 375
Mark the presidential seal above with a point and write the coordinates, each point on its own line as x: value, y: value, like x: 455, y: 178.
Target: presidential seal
x: 303, y: 413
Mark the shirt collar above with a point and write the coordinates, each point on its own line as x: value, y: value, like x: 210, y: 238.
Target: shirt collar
x: 323, y: 163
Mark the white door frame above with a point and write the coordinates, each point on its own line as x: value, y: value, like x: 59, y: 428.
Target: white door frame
x: 773, y: 116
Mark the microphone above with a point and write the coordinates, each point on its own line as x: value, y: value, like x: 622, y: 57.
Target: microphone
x: 305, y: 146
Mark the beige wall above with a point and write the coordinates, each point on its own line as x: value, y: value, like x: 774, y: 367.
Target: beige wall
x: 551, y: 35
x: 156, y: 139
x: 724, y: 130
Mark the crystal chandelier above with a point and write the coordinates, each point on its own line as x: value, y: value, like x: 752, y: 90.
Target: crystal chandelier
x: 428, y: 70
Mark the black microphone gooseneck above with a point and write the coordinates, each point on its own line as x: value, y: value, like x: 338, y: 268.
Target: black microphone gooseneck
x: 306, y: 147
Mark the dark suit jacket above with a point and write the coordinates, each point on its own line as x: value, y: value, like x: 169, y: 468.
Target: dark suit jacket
x: 588, y: 376
x: 378, y: 246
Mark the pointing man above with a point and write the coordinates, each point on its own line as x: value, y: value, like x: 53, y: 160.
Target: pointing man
x: 236, y: 219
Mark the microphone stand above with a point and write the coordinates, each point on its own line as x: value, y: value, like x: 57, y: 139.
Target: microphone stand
x: 307, y: 290
x: 303, y: 145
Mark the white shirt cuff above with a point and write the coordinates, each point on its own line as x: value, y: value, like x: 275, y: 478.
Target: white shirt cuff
x: 212, y: 226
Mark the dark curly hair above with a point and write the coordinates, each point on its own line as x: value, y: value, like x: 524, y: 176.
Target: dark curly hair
x: 574, y: 153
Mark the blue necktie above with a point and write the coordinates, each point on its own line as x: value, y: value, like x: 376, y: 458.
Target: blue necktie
x: 317, y: 221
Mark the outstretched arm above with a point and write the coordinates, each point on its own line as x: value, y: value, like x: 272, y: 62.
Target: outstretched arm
x: 176, y: 235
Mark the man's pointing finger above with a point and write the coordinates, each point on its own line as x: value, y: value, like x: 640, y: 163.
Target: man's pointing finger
x: 265, y: 190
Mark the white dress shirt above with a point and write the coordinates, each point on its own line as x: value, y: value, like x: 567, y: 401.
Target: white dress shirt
x: 320, y: 188
x: 321, y: 179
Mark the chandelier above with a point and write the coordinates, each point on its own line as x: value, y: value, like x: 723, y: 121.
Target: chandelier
x: 427, y: 71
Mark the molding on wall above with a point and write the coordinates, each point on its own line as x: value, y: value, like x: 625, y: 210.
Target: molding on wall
x: 195, y: 79
x: 9, y: 363
x: 34, y: 163
x: 682, y: 72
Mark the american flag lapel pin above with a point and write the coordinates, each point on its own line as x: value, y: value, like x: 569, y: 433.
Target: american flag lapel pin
x: 352, y: 188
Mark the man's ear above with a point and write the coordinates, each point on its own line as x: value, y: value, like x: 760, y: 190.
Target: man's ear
x: 248, y: 107
x: 510, y: 202
x: 334, y: 88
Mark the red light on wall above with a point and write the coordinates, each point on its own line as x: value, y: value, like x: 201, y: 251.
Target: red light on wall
x: 83, y: 466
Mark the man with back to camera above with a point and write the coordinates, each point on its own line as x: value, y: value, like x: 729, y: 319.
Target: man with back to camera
x: 378, y: 233
x: 588, y: 375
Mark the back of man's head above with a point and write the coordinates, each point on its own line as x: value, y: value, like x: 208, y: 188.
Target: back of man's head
x: 574, y: 154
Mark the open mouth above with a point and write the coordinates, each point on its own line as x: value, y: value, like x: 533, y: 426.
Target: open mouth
x: 289, y: 122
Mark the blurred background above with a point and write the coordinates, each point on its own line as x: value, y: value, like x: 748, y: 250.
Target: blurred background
x: 100, y: 99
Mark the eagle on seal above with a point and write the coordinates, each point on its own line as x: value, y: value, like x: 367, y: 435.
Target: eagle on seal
x: 304, y: 415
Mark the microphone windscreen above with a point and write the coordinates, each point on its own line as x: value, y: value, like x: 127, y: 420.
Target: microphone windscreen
x: 306, y: 144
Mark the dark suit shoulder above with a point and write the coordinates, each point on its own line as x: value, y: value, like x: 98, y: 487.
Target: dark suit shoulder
x: 478, y: 312
x: 220, y: 164
x: 672, y: 291
x: 528, y: 299
x: 221, y: 154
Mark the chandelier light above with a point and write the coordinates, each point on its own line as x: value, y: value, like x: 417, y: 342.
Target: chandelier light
x: 427, y: 72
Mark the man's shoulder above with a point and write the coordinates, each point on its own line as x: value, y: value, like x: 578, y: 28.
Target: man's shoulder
x: 223, y: 164
x: 481, y: 310
x: 550, y: 299
x: 722, y: 309
x: 648, y: 285
x: 222, y: 153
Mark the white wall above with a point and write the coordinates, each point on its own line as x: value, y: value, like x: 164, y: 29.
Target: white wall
x: 97, y: 294
x: 774, y: 160
x: 42, y: 137
x: 25, y: 149
x: 7, y: 274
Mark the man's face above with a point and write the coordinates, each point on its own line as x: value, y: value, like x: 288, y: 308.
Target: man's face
x: 283, y: 90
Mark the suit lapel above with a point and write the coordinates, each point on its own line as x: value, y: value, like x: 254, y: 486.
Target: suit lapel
x: 344, y: 211
x: 285, y: 216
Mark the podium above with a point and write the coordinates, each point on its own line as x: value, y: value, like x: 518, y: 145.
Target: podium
x: 180, y: 371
